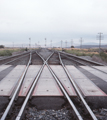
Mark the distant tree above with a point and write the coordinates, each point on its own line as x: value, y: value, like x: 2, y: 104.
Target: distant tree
x: 63, y: 49
x: 26, y: 49
x: 1, y: 46
x: 72, y: 46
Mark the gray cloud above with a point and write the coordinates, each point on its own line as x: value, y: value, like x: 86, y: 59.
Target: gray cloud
x: 53, y: 19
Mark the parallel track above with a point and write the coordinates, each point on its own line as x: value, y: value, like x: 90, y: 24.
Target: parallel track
x: 11, y: 59
x: 78, y: 92
x: 86, y: 63
x: 15, y: 93
x: 81, y: 60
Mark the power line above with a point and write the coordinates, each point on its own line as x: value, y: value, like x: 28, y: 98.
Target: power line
x: 61, y: 43
x: 29, y: 43
x: 13, y: 45
x: 81, y: 40
x: 45, y: 42
x: 71, y: 42
x: 66, y: 44
x: 100, y: 38
x: 51, y: 44
x: 38, y: 44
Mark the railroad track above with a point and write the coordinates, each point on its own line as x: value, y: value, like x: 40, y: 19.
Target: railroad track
x: 79, y: 117
x: 9, y: 60
x: 89, y: 114
x: 17, y: 89
x: 80, y: 60
x: 21, y: 59
x: 77, y: 61
x: 19, y: 116
x: 78, y: 92
x: 15, y: 93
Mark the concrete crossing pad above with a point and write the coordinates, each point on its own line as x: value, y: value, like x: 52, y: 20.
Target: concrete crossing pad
x: 90, y: 91
x: 59, y: 71
x: 7, y: 84
x: 3, y: 67
x: 47, y: 94
x: 29, y: 78
x: 46, y: 85
x: 97, y: 73
x: 87, y: 87
x: 102, y: 68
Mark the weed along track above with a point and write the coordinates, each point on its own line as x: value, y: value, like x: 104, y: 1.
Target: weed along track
x: 45, y: 84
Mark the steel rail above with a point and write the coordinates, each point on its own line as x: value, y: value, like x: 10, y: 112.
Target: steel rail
x: 77, y: 90
x: 14, y: 60
x: 74, y: 60
x: 84, y: 64
x: 19, y: 116
x: 40, y: 56
x: 64, y: 91
x: 99, y: 70
x: 43, y: 58
x: 31, y: 89
x: 83, y: 59
x: 16, y: 91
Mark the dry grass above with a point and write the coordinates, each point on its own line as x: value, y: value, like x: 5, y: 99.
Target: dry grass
x: 85, y: 52
x: 79, y: 52
x: 9, y: 51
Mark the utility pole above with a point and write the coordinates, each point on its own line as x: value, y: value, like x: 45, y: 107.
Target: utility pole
x: 81, y: 40
x: 38, y: 44
x: 71, y: 43
x: 13, y: 45
x: 51, y: 43
x: 66, y: 43
x: 29, y: 43
x: 61, y: 44
x: 100, y: 38
x: 45, y: 42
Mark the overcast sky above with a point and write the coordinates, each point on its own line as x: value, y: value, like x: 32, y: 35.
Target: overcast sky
x: 54, y: 20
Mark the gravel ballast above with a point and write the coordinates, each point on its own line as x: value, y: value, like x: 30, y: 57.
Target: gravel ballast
x: 62, y: 114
